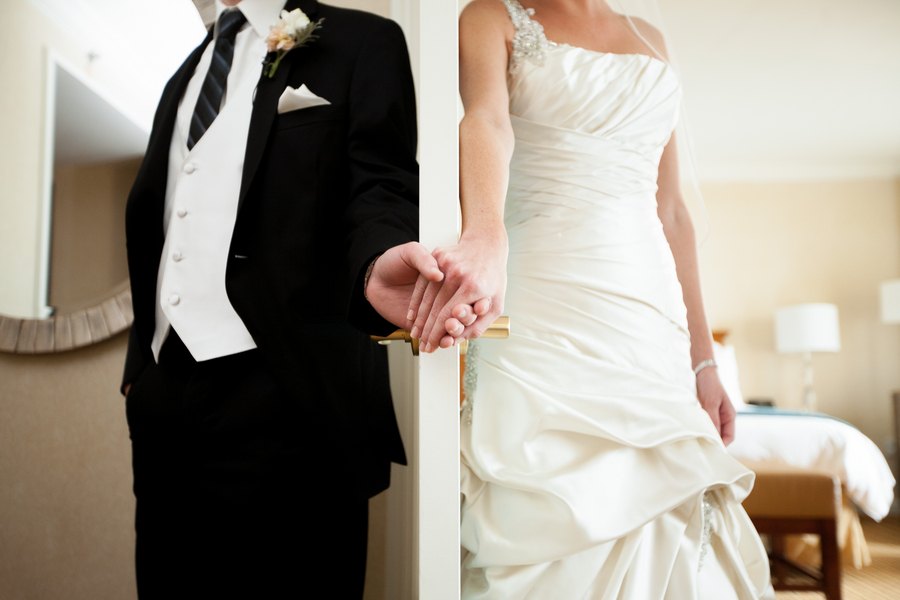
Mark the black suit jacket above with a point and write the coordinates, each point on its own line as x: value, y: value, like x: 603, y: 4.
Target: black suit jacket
x: 324, y: 191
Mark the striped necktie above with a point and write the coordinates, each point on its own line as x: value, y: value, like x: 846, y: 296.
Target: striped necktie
x: 213, y: 88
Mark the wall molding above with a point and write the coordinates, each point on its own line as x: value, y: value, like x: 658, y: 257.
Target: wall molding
x: 795, y: 171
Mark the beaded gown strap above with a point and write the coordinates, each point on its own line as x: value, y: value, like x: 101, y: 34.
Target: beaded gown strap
x: 529, y: 41
x: 470, y: 379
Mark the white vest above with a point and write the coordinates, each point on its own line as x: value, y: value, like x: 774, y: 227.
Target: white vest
x: 201, y: 209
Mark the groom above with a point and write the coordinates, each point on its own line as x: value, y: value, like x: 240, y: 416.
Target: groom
x: 270, y: 230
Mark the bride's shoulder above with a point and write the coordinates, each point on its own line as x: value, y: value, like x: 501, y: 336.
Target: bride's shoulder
x: 489, y: 11
x: 486, y: 16
x: 652, y: 34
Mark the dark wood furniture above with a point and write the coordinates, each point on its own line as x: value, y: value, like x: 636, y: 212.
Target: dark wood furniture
x: 896, y: 457
x: 790, y: 500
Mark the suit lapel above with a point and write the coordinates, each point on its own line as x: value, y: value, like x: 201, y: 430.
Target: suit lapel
x: 180, y: 83
x: 160, y: 141
x: 148, y: 195
x: 265, y: 105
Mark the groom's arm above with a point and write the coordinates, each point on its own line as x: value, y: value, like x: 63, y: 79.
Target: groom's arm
x: 383, y: 211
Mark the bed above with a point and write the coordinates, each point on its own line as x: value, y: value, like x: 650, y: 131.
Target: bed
x: 816, y: 441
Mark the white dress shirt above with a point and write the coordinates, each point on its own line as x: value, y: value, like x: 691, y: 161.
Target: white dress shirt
x: 201, y: 200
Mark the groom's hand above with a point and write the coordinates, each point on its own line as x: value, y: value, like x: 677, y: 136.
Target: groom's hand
x: 393, y: 279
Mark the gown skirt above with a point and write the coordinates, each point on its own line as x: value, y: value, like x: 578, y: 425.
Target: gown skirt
x: 589, y: 470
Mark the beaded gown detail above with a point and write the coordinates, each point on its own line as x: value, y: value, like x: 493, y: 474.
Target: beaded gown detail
x: 589, y: 471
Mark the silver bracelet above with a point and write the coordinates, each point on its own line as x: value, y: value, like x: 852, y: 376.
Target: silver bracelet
x: 706, y: 363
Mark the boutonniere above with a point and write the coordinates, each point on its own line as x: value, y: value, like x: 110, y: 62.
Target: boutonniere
x: 293, y: 30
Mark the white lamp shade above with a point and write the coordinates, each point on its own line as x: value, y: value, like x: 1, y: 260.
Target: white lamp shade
x: 807, y: 328
x: 890, y: 301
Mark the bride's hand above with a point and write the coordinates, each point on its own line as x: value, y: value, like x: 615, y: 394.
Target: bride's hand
x: 463, y: 315
x: 470, y: 297
x: 716, y: 403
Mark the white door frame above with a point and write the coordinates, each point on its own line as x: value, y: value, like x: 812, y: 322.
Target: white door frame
x: 423, y: 501
x: 437, y: 443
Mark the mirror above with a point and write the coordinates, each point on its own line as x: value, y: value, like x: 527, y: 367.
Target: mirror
x: 97, y: 151
x: 79, y: 125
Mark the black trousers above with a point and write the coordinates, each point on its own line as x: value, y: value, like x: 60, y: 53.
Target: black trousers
x: 229, y: 504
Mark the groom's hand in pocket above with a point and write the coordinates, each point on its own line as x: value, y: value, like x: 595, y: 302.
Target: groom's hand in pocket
x: 470, y: 297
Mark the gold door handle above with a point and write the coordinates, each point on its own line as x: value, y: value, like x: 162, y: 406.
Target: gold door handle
x: 498, y: 330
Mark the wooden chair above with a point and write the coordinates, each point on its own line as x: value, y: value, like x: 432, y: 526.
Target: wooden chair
x: 791, y: 500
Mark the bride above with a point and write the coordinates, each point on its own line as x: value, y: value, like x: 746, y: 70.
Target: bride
x: 589, y: 468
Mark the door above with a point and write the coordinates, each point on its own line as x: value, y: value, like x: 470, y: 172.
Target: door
x: 421, y: 509
x: 437, y: 420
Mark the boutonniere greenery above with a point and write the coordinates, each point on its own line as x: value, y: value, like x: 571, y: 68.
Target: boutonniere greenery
x: 293, y: 30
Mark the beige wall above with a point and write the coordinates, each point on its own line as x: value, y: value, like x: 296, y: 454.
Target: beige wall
x: 788, y: 243
x: 379, y: 7
x: 66, y: 507
x: 87, y: 259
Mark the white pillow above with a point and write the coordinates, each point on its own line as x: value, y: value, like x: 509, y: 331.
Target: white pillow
x: 728, y: 372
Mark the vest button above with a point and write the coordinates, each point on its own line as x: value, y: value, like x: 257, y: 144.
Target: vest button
x: 174, y: 299
x: 177, y: 256
x: 181, y: 212
x: 189, y: 168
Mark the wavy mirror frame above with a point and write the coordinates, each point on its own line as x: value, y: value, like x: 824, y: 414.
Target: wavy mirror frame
x: 98, y: 321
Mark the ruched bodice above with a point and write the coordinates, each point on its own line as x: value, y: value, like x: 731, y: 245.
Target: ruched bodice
x: 630, y: 99
x: 590, y: 130
x: 589, y: 469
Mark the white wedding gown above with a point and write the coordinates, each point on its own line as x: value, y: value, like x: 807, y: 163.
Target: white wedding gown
x: 589, y: 469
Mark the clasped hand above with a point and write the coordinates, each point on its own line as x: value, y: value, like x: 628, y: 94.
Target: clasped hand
x: 469, y: 297
x: 451, y: 294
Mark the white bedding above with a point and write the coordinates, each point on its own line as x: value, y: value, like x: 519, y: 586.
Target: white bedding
x: 818, y: 443
x: 812, y: 442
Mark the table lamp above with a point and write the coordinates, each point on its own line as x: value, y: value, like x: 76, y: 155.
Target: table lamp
x: 890, y: 301
x: 807, y: 328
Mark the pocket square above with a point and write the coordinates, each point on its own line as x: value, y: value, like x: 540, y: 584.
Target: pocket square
x: 297, y: 98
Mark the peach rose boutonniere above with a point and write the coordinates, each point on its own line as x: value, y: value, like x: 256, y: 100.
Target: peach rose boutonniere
x: 293, y: 30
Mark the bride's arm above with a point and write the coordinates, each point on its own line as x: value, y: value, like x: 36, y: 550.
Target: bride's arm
x: 475, y: 268
x: 679, y: 232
